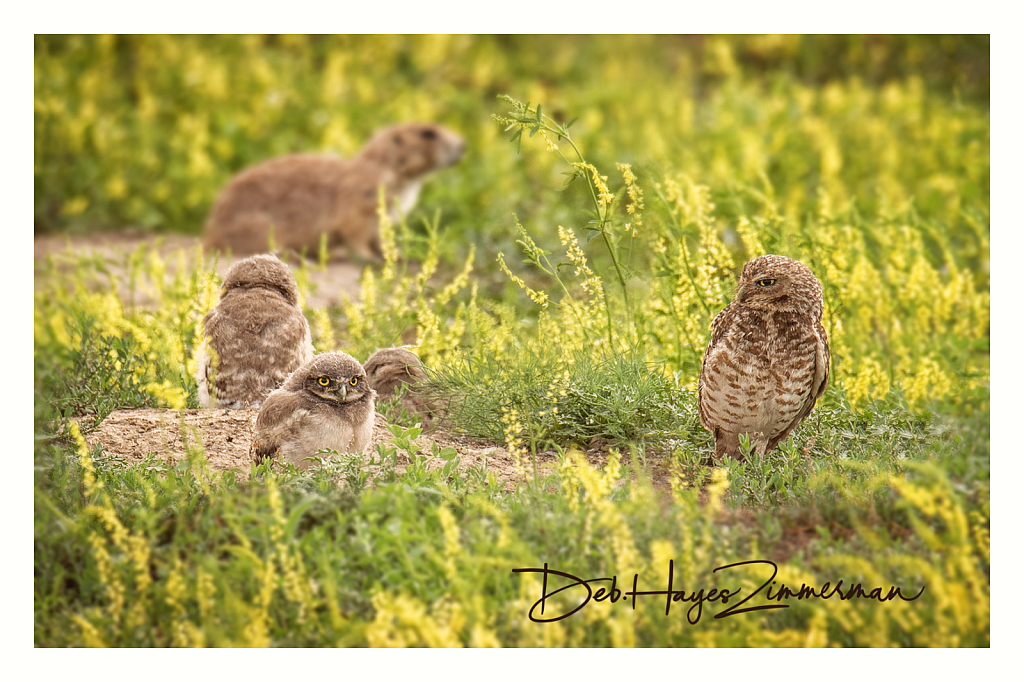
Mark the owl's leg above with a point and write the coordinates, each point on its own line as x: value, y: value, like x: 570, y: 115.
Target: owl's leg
x: 760, y: 444
x: 727, y: 445
x: 205, y: 378
x: 263, y: 454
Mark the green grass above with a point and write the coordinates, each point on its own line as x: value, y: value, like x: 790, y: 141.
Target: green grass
x: 866, y: 158
x: 295, y: 560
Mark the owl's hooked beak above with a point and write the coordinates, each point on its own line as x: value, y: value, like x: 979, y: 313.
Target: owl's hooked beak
x: 741, y: 293
x: 343, y: 393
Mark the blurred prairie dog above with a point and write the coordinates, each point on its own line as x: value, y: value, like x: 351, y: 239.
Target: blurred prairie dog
x: 304, y: 196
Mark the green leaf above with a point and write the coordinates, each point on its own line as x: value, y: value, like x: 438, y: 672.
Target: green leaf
x: 592, y: 234
x: 292, y: 523
x: 571, y: 178
x: 569, y: 124
x: 517, y: 138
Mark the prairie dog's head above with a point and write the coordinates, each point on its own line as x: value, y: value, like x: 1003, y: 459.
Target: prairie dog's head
x: 415, y: 149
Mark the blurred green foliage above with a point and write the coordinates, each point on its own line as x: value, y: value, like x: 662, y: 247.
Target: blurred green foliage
x: 142, y: 131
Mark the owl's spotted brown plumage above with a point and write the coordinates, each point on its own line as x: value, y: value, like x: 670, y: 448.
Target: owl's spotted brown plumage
x: 766, y: 364
x: 257, y: 334
x: 396, y: 371
x: 325, y: 404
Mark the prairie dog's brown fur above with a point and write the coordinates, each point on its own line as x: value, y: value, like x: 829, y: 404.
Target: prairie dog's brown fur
x: 304, y: 196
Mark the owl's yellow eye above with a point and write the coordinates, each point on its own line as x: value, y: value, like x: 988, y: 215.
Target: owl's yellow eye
x: 765, y: 282
x: 354, y: 381
x: 323, y: 381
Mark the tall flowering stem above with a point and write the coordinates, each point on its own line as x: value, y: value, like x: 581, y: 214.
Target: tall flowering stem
x: 525, y: 117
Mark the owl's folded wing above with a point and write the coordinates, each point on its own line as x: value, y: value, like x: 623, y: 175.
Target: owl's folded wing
x: 279, y: 419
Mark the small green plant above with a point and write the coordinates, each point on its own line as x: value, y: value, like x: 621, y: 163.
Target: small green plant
x: 395, y: 412
x: 89, y: 380
x: 579, y: 398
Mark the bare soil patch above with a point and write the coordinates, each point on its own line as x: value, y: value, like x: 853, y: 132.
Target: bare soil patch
x: 110, y: 251
x: 225, y: 436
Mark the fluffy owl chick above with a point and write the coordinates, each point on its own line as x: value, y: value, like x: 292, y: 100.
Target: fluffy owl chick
x: 390, y: 369
x: 767, y: 362
x: 304, y: 197
x: 257, y: 333
x: 325, y: 404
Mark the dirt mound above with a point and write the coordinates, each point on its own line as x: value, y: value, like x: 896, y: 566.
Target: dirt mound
x: 225, y: 436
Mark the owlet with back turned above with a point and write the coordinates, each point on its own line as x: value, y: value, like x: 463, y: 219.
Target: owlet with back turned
x: 395, y: 372
x: 254, y: 337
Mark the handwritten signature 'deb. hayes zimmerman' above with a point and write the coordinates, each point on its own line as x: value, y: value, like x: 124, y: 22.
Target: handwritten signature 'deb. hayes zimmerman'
x: 607, y: 589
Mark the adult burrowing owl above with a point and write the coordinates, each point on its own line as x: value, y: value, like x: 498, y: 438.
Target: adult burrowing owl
x: 257, y: 332
x: 390, y: 369
x: 767, y: 361
x: 325, y: 404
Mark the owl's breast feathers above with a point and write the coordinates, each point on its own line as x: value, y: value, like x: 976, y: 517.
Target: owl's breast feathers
x: 762, y: 371
x: 295, y: 426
